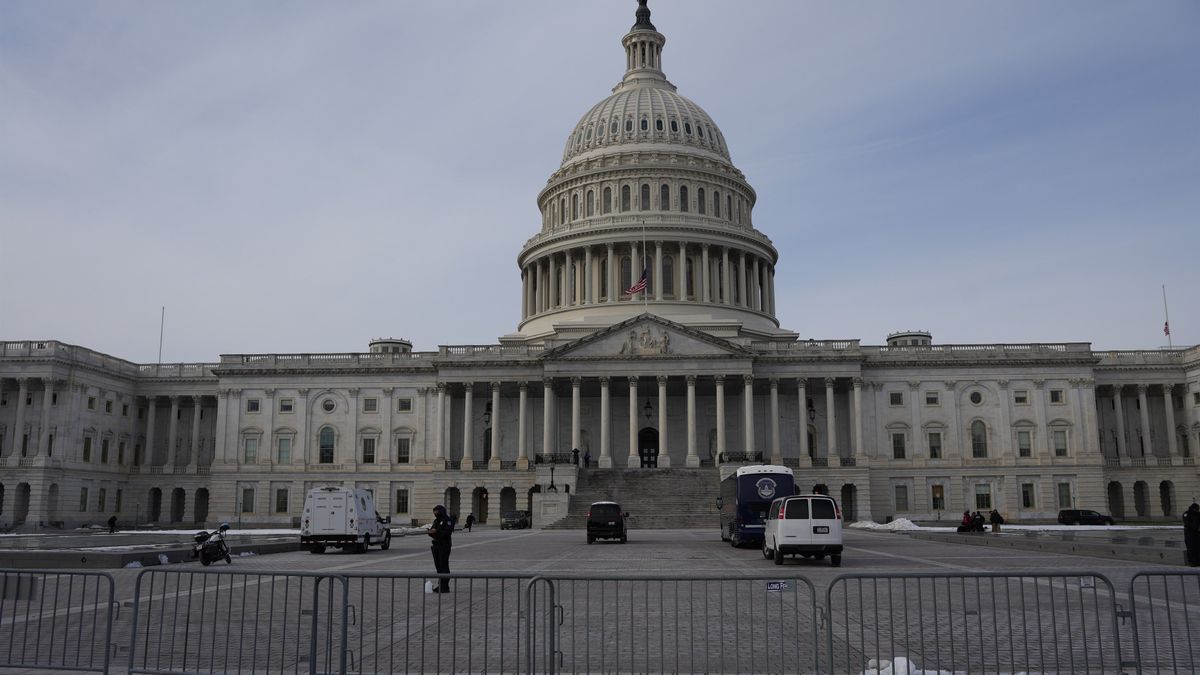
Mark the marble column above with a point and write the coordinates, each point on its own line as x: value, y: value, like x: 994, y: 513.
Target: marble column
x: 1147, y: 438
x: 719, y: 380
x: 547, y: 429
x: 776, y: 454
x: 610, y: 276
x: 439, y: 451
x: 634, y: 460
x: 18, y: 430
x: 744, y: 281
x: 693, y: 460
x: 830, y: 409
x: 756, y: 296
x: 802, y: 389
x: 681, y: 270
x: 524, y: 456
x: 856, y: 429
x: 576, y: 386
x: 748, y: 413
x: 468, y: 454
x: 494, y: 460
x: 1122, y: 446
x: 726, y: 296
x: 193, y: 448
x: 539, y: 289
x: 658, y: 271
x: 1169, y: 404
x: 570, y: 280
x: 605, y: 440
x: 706, y: 283
x: 664, y: 457
x: 43, y: 447
x: 551, y: 283
x: 588, y: 278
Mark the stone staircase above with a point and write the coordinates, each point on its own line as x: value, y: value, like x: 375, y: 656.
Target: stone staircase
x: 654, y: 498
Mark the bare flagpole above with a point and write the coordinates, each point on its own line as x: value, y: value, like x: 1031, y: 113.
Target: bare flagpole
x: 1167, y: 319
x: 161, y: 320
x: 645, y: 268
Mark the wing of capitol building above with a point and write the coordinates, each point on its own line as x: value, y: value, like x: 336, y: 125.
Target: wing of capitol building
x: 663, y: 385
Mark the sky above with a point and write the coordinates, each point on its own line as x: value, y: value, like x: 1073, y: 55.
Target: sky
x: 306, y: 176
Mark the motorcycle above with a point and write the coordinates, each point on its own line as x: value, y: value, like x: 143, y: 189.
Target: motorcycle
x: 211, y: 547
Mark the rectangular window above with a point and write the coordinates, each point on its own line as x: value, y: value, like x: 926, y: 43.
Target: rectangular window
x: 102, y: 504
x: 937, y: 495
x: 1060, y: 443
x: 108, y: 407
x: 1024, y: 444
x: 901, y: 499
x: 141, y: 413
x: 284, y: 454
x: 935, y: 445
x: 50, y: 446
x: 983, y: 496
x: 1028, y: 498
x: 91, y: 404
x: 121, y: 452
x: 104, y: 451
x: 87, y: 449
x: 83, y: 500
x: 402, y: 500
x: 251, y: 450
x: 370, y: 405
x: 253, y: 405
x: 287, y: 405
x: 54, y: 399
x: 932, y: 398
x: 117, y: 507
x: 247, y: 500
x: 898, y: 446
x: 896, y: 398
x: 1064, y: 495
x: 404, y: 405
x: 403, y: 450
x: 1021, y: 397
x: 368, y: 450
x: 124, y: 410
x: 1056, y: 396
x: 1196, y: 398
x: 281, y: 500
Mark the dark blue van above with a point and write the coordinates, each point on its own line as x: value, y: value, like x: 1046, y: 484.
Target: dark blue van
x: 746, y: 495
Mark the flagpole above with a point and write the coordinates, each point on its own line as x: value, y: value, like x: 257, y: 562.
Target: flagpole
x: 162, y: 318
x: 1167, y: 319
x: 646, y: 290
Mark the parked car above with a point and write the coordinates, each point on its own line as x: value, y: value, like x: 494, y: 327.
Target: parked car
x: 514, y: 520
x: 606, y: 520
x: 1084, y: 517
x: 805, y: 525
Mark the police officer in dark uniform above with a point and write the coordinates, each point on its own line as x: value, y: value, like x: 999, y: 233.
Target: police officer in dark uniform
x: 1191, y: 534
x: 441, y: 530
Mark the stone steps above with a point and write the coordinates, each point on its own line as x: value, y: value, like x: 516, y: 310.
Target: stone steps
x: 654, y: 498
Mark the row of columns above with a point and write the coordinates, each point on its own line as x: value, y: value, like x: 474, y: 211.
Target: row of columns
x: 525, y: 453
x: 1168, y: 393
x: 543, y: 290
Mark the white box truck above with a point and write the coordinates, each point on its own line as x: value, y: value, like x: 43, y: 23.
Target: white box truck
x: 342, y: 517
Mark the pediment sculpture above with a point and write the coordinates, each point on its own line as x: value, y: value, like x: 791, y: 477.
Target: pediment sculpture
x: 645, y: 341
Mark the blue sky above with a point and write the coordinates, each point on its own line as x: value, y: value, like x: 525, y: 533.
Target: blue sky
x: 302, y: 177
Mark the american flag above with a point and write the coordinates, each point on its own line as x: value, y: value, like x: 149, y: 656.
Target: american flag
x: 639, y: 286
x: 1166, y: 328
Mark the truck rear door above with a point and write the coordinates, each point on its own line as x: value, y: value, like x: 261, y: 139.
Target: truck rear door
x: 329, y: 513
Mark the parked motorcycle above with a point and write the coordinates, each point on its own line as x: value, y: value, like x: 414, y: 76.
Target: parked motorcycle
x: 211, y: 547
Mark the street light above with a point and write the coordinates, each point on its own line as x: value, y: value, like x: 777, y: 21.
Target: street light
x: 648, y: 410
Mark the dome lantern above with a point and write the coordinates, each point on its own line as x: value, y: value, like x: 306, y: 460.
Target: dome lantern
x: 643, y: 52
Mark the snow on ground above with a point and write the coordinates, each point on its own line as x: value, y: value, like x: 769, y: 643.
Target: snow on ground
x: 906, y: 525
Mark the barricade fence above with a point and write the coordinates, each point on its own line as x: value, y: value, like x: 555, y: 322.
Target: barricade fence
x: 192, y: 621
x: 56, y: 620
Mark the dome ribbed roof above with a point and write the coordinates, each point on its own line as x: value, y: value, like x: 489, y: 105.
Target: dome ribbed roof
x: 641, y: 115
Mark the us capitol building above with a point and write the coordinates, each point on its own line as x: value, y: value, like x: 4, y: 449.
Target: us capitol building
x: 692, y: 372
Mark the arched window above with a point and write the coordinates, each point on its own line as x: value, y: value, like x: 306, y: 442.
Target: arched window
x: 574, y: 207
x: 700, y: 207
x: 978, y: 439
x: 687, y: 128
x: 645, y: 197
x: 690, y: 273
x: 716, y: 203
x: 735, y: 282
x: 625, y: 198
x: 664, y: 198
x: 626, y: 278
x: 674, y: 127
x: 658, y: 125
x: 628, y: 125
x: 562, y: 211
x: 668, y: 280
x: 604, y: 278
x: 738, y: 213
x: 606, y: 204
x: 591, y: 203
x: 612, y: 128
x: 326, y: 445
x: 683, y: 198
x: 558, y: 284
x: 645, y: 124
x: 728, y: 207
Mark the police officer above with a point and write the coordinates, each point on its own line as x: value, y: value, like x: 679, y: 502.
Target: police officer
x: 441, y: 531
x: 1191, y: 534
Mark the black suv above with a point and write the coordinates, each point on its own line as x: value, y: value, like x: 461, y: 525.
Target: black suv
x: 514, y: 520
x: 606, y: 520
x: 1084, y: 517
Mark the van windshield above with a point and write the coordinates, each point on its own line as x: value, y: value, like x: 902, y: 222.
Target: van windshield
x: 822, y: 509
x: 796, y: 509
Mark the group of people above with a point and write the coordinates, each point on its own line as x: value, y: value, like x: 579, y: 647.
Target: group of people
x: 976, y: 521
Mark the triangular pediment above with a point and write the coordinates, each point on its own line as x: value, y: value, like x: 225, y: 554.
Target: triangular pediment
x: 647, y: 336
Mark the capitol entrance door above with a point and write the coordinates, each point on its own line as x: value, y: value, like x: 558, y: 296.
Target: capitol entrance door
x: 648, y: 447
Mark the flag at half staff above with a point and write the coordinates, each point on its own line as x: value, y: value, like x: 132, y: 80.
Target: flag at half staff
x: 639, y: 286
x: 1166, y: 328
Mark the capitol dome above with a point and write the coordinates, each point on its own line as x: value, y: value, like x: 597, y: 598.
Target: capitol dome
x: 647, y: 213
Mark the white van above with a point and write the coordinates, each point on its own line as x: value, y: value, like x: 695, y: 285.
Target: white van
x: 806, y: 525
x: 342, y: 517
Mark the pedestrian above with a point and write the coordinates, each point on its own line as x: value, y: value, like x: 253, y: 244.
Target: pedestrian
x: 112, y: 525
x: 470, y: 521
x: 587, y: 459
x: 965, y: 525
x: 441, y: 530
x: 575, y: 456
x: 997, y: 521
x: 977, y: 522
x: 1191, y: 534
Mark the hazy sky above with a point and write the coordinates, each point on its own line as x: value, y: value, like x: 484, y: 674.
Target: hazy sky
x: 302, y: 177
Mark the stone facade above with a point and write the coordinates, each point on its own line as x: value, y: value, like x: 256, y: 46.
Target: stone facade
x: 690, y: 370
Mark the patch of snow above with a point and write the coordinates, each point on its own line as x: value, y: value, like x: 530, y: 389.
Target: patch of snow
x: 246, y: 554
x: 163, y: 559
x: 132, y: 564
x: 899, y: 666
x: 897, y: 525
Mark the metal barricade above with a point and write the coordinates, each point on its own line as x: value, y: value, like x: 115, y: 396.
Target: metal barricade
x: 395, y: 626
x: 56, y: 620
x: 1165, y: 608
x: 1032, y: 622
x: 708, y: 624
x: 192, y: 621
